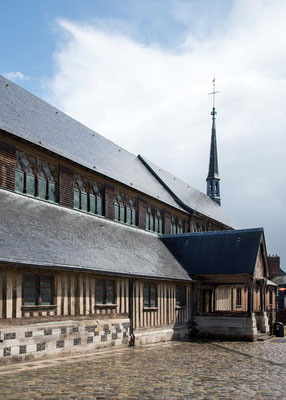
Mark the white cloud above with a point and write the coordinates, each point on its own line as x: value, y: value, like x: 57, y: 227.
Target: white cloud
x: 154, y: 101
x: 15, y: 76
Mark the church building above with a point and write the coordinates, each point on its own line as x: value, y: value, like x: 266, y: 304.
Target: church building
x: 100, y: 247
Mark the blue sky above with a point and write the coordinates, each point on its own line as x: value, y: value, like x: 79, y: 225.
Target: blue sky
x: 139, y: 73
x: 29, y: 34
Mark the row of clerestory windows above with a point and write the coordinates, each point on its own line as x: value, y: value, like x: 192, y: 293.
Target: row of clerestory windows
x: 39, y: 178
x: 36, y: 177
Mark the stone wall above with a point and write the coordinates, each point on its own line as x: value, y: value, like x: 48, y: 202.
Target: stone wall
x: 228, y: 327
x: 149, y: 336
x: 28, y: 342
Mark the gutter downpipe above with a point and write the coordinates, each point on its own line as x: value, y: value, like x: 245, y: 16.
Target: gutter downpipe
x: 131, y: 319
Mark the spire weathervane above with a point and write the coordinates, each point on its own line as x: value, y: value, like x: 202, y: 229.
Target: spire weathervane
x: 213, y: 179
x: 214, y: 93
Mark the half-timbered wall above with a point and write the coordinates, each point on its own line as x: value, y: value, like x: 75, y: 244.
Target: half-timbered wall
x: 166, y: 312
x: 74, y: 293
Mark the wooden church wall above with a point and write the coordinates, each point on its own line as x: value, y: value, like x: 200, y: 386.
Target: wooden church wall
x: 74, y: 295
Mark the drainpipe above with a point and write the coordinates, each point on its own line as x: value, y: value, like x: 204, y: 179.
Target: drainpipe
x: 131, y: 291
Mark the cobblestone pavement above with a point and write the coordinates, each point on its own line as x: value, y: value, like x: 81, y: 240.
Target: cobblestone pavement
x: 177, y: 370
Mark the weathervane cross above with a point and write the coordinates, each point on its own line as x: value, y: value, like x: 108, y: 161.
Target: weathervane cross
x: 214, y: 92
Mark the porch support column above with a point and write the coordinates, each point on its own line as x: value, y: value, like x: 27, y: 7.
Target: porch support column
x: 250, y: 296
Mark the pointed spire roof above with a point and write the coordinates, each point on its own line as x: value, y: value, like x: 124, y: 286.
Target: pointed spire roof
x: 213, y: 164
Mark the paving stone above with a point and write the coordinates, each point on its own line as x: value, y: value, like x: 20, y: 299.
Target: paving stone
x: 197, y: 370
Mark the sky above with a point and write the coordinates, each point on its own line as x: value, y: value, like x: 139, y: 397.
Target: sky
x: 139, y: 73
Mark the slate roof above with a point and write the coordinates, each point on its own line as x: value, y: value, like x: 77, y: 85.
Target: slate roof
x: 224, y: 252
x: 34, y: 232
x: 190, y: 196
x: 28, y: 117
x: 213, y: 164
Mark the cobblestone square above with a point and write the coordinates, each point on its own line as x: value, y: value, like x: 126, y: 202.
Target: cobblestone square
x: 175, y: 370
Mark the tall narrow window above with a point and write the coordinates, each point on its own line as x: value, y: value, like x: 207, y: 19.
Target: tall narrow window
x: 271, y: 297
x: 238, y: 297
x: 150, y: 295
x: 180, y: 295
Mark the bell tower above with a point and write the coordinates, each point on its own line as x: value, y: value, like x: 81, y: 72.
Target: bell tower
x: 213, y: 179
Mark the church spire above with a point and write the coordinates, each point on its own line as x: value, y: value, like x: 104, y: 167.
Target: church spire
x: 213, y: 189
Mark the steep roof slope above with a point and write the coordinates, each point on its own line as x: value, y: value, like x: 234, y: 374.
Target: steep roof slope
x: 224, y: 252
x: 34, y: 232
x: 190, y: 196
x: 28, y: 117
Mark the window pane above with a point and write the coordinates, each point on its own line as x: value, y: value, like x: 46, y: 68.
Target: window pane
x: 31, y: 184
x: 160, y: 226
x: 151, y: 223
x: 147, y: 222
x: 109, y: 292
x: 146, y: 294
x: 128, y: 216
x: 122, y: 213
x: 84, y: 201
x: 133, y: 217
x: 19, y: 181
x: 76, y: 198
x: 99, y: 291
x: 99, y: 205
x: 156, y: 225
x: 153, y: 295
x: 52, y: 191
x: 46, y: 289
x: 42, y: 188
x: 180, y: 296
x: 92, y: 204
x: 30, y: 289
x: 116, y: 212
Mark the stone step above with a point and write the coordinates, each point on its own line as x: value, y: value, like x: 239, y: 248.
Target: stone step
x: 263, y: 336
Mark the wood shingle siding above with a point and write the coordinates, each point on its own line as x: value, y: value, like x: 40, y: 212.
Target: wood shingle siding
x: 7, y: 166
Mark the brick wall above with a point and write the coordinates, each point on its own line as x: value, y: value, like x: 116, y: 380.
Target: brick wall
x: 109, y: 202
x: 274, y: 266
x: 7, y: 166
x: 66, y: 186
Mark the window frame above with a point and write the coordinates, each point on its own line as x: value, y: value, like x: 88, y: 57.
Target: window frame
x: 181, y: 298
x: 148, y: 304
x: 238, y: 297
x: 38, y: 302
x: 104, y: 303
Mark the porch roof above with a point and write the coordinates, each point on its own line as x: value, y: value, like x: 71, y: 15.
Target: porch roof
x: 210, y: 253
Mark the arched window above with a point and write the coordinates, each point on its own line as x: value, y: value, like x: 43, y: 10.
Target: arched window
x: 154, y: 220
x: 36, y: 177
x: 87, y: 196
x: 125, y: 209
x: 47, y: 181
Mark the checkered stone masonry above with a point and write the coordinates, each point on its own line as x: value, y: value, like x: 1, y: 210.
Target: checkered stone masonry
x: 53, y: 338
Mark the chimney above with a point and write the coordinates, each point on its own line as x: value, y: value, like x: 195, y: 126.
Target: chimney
x: 273, y: 265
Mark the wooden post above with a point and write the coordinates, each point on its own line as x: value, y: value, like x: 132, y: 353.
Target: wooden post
x: 80, y: 297
x: 9, y: 294
x: 18, y: 294
x: 72, y: 295
x: 59, y: 294
x: 1, y: 293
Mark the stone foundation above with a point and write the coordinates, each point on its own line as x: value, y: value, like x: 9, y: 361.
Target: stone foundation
x: 164, y: 334
x: 237, y: 328
x: 28, y: 342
